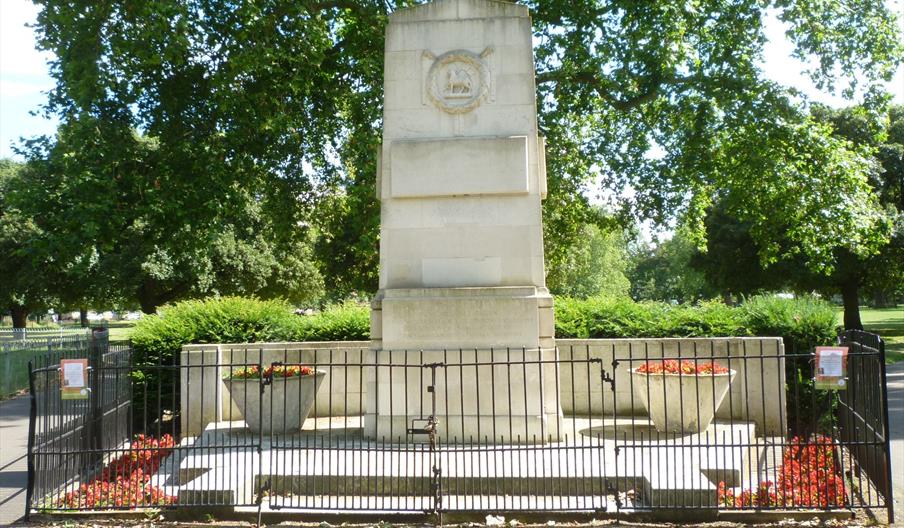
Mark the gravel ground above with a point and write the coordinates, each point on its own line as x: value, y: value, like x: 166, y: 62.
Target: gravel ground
x: 860, y: 521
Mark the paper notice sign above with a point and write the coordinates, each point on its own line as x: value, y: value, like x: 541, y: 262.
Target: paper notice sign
x: 831, y: 368
x: 74, y: 379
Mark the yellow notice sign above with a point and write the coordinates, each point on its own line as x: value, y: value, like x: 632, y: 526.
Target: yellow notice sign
x: 831, y: 368
x: 74, y: 379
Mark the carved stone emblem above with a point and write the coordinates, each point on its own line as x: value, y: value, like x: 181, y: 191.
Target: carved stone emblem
x: 459, y: 80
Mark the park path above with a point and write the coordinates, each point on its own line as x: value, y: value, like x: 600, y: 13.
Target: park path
x: 13, y: 462
x: 895, y: 382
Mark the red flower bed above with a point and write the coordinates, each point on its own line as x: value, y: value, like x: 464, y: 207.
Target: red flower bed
x: 277, y: 371
x: 672, y: 366
x: 808, y: 477
x: 125, y: 482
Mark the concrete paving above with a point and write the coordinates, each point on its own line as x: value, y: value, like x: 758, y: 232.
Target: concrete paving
x: 13, y: 460
x: 895, y: 382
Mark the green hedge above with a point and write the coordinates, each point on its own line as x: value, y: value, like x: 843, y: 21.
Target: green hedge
x: 597, y: 318
x: 241, y: 320
x: 803, y: 322
x: 342, y: 322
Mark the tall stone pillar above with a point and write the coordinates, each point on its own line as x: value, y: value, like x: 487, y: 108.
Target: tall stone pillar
x: 460, y: 182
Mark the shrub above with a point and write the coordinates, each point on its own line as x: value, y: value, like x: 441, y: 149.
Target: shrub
x: 158, y: 338
x: 708, y: 319
x: 348, y: 321
x: 803, y: 323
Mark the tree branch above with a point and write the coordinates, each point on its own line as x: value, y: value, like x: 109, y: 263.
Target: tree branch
x: 334, y: 4
x: 653, y: 83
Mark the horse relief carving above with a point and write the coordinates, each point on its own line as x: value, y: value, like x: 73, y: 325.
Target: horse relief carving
x: 458, y: 81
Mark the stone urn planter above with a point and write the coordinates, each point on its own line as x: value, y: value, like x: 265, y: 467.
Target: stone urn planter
x: 681, y: 397
x: 287, y: 399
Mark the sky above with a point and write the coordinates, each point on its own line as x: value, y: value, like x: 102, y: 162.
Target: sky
x: 24, y: 79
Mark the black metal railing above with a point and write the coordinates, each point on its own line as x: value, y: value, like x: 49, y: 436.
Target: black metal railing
x: 605, y: 429
x: 72, y: 438
x: 862, y: 414
x: 19, y: 349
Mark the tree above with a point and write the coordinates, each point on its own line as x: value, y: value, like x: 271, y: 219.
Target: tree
x: 124, y: 229
x: 24, y: 287
x: 281, y: 99
x: 664, y: 272
x: 732, y: 261
x: 731, y: 264
x: 598, y: 266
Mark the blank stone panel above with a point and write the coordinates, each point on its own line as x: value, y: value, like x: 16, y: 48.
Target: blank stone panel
x: 453, y: 167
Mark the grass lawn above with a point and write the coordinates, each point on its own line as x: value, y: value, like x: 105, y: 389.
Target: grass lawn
x: 120, y: 330
x: 888, y: 323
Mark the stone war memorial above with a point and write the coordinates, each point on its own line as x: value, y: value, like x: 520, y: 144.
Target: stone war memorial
x: 460, y: 182
x: 463, y: 400
x: 463, y: 386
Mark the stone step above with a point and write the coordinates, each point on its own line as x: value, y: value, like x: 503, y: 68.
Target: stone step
x: 450, y: 503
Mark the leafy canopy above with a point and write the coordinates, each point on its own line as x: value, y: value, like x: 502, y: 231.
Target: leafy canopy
x: 662, y: 102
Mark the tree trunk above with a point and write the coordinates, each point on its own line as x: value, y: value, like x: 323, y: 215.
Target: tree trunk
x: 880, y: 299
x: 83, y: 317
x: 20, y: 315
x: 850, y: 293
x: 148, y: 304
x: 150, y: 295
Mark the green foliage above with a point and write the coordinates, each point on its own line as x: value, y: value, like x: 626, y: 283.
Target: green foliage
x: 348, y: 321
x: 596, y: 265
x: 601, y: 317
x: 241, y: 320
x: 280, y: 100
x: 653, y: 104
x: 158, y: 338
x: 123, y: 226
x: 733, y: 263
x: 803, y: 322
x: 24, y: 259
x: 665, y: 273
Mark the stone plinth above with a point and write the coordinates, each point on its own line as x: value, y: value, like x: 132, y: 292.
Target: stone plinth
x: 461, y: 177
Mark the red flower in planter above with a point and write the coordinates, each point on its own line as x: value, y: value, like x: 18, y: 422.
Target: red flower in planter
x: 277, y: 371
x: 685, y: 367
x: 291, y: 371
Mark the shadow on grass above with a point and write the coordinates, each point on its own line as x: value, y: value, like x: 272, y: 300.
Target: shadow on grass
x: 888, y: 323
